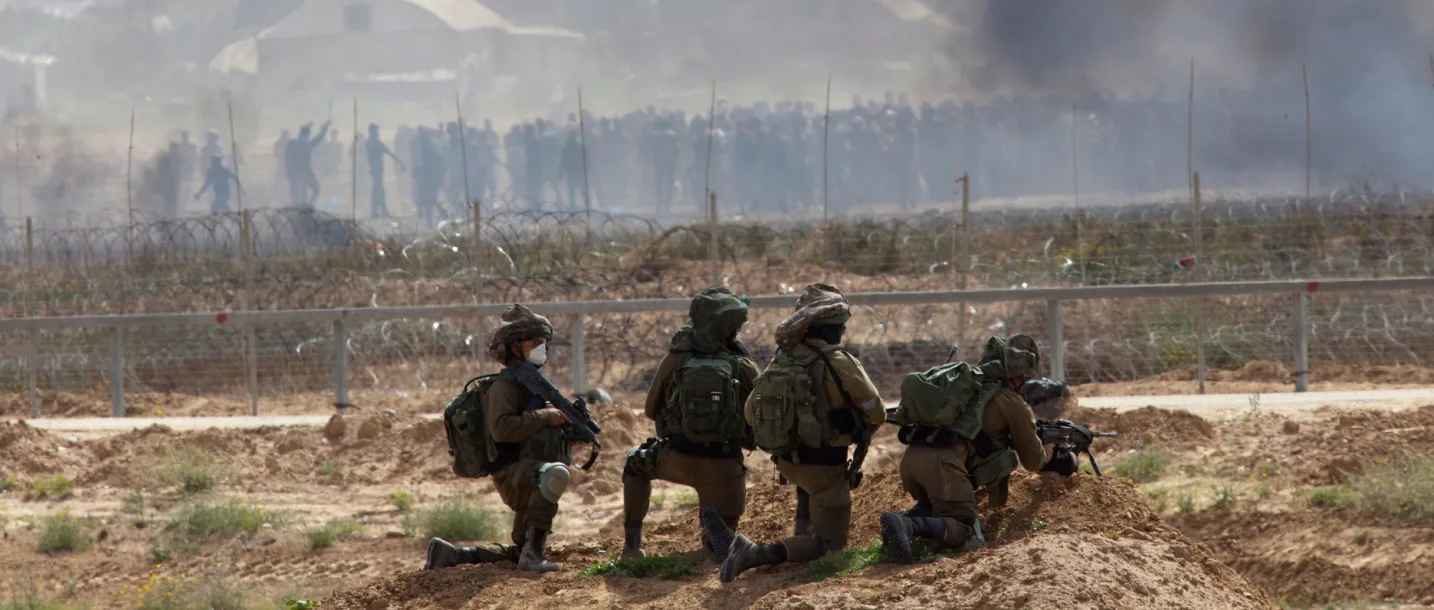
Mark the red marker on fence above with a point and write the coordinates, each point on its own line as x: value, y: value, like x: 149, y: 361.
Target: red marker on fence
x: 1312, y: 287
x: 221, y: 317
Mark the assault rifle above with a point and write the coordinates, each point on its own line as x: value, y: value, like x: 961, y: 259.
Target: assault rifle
x: 1070, y: 438
x: 581, y: 428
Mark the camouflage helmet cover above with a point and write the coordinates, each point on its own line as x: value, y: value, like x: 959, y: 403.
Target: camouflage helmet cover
x: 519, y: 324
x: 818, y: 305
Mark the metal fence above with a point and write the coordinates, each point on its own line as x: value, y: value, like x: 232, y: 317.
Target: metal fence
x: 340, y: 352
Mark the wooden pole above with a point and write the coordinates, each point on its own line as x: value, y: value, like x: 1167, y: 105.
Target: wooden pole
x: 713, y: 251
x: 129, y: 192
x: 711, y: 122
x: 463, y: 149
x: 1196, y: 228
x: 826, y: 152
x: 477, y: 210
x: 959, y: 235
x: 1075, y: 195
x: 587, y: 186
x: 29, y: 245
x: 353, y: 169
x: 1309, y: 146
x: 246, y: 252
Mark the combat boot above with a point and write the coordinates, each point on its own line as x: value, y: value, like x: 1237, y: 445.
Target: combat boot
x: 444, y: 554
x: 632, y: 543
x: 716, y: 536
x: 897, y: 530
x: 531, y: 558
x: 963, y: 539
x: 745, y: 555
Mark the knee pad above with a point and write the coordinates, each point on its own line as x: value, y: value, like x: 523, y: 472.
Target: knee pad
x: 642, y: 461
x: 553, y: 479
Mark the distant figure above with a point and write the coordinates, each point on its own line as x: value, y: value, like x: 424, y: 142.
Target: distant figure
x: 428, y: 171
x: 376, y: 150
x: 281, y: 152
x: 299, y: 166
x: 187, y: 165
x: 216, y: 180
x: 212, y: 148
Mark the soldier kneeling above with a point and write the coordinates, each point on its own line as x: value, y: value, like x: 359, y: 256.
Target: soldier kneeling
x: 696, y: 401
x: 531, y: 456
x: 957, y: 446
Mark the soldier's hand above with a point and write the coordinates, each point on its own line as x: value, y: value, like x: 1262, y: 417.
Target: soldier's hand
x: 553, y: 417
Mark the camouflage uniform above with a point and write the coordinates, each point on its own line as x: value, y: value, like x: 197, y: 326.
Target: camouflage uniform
x: 942, y: 476
x: 819, y: 474
x: 534, y: 450
x: 714, y: 470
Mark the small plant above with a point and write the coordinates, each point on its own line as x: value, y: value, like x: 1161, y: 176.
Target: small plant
x: 1143, y: 466
x: 1332, y: 496
x: 30, y: 601
x: 652, y: 566
x: 198, y: 523
x: 331, y: 473
x: 192, y: 471
x: 134, y: 503
x: 63, y: 533
x: 6, y: 484
x: 842, y: 563
x: 1403, y: 489
x: 1185, y: 504
x: 211, y: 594
x: 452, y: 520
x: 685, y: 499
x: 1159, y: 499
x: 291, y: 603
x: 326, y: 535
x: 54, y: 487
x: 159, y: 553
x: 1224, y: 498
x: 1038, y: 524
x: 401, y: 500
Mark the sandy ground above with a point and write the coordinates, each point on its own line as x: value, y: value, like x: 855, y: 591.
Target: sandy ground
x: 1090, y: 542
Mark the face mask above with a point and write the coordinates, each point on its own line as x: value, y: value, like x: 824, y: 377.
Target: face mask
x: 539, y: 355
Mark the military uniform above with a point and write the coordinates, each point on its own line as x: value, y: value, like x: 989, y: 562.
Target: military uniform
x: 844, y: 402
x: 714, y: 470
x: 942, y: 476
x: 533, y: 445
x: 529, y: 451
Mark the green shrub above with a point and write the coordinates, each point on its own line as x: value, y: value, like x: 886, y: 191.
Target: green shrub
x: 324, y: 536
x: 208, y: 594
x: 401, y: 500
x: 1185, y: 504
x: 198, y: 523
x: 844, y: 562
x: 192, y: 471
x: 54, y: 487
x: 31, y: 601
x: 331, y: 473
x: 1224, y: 498
x: 63, y: 533
x: 1143, y: 466
x: 1333, y: 496
x: 6, y: 484
x: 452, y: 520
x: 1402, y: 489
x: 653, y: 566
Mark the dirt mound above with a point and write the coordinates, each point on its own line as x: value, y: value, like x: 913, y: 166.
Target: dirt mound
x: 26, y: 452
x: 1322, y: 557
x: 1086, y: 542
x: 1145, y: 427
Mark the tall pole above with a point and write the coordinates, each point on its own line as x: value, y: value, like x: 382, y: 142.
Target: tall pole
x: 711, y: 122
x: 353, y: 168
x: 713, y: 250
x: 1197, y: 229
x: 826, y: 152
x: 959, y: 235
x: 1309, y: 147
x: 1190, y: 130
x: 1075, y: 193
x: 129, y: 191
x: 463, y: 149
x: 246, y: 247
x: 587, y: 186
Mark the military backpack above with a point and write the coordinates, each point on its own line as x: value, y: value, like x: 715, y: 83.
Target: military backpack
x: 466, y: 424
x: 950, y: 397
x: 702, y: 405
x: 788, y: 410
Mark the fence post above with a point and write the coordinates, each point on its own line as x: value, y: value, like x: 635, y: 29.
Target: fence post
x: 1302, y: 341
x: 29, y: 245
x: 341, y: 364
x: 580, y: 354
x: 713, y: 251
x: 1056, y: 332
x: 117, y: 372
x: 32, y: 388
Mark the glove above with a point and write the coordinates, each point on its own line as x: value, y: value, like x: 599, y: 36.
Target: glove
x: 1062, y: 463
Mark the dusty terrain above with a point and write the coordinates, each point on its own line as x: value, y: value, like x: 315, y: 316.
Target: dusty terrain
x: 1227, y: 523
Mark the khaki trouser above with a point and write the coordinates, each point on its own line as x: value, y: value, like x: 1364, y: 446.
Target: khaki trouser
x: 518, y: 487
x: 721, y: 483
x: 936, y: 478
x: 830, y: 505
